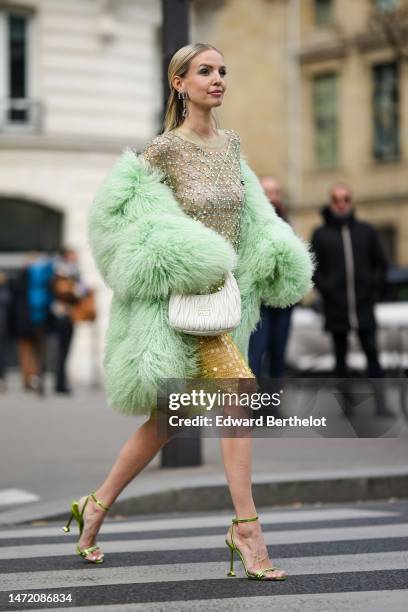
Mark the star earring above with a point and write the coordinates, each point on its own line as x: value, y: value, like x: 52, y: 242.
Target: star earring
x: 182, y: 95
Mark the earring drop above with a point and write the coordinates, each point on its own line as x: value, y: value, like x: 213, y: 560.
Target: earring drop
x: 182, y: 95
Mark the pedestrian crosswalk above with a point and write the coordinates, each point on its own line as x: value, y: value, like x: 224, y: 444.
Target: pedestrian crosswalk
x: 345, y: 557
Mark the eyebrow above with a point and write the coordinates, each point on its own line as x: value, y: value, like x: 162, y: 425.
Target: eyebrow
x: 210, y: 66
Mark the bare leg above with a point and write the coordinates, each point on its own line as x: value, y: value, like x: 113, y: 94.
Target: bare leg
x: 137, y: 452
x: 27, y: 361
x: 237, y: 457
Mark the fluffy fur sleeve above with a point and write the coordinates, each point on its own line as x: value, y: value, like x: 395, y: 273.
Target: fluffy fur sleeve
x: 143, y: 244
x: 278, y: 261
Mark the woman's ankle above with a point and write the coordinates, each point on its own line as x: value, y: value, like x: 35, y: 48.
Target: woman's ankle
x: 104, y: 497
x: 247, y: 530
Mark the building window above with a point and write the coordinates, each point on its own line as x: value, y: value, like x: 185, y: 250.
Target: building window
x: 323, y: 10
x: 17, y: 109
x: 386, y: 111
x: 325, y: 119
x: 17, y: 68
x: 386, y: 5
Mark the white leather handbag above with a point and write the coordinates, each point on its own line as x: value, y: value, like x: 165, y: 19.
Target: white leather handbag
x: 207, y: 315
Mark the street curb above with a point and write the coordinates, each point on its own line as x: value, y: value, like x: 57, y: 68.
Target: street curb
x: 207, y: 496
x: 268, y: 494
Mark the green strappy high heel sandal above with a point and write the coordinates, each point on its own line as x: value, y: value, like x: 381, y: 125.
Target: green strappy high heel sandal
x: 258, y: 575
x: 79, y: 517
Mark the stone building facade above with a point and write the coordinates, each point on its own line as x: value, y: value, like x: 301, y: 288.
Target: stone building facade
x: 79, y: 81
x: 319, y: 95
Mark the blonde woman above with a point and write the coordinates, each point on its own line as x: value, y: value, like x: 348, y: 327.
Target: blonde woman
x: 177, y: 219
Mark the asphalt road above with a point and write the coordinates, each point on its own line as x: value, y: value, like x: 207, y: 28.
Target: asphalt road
x: 350, y: 557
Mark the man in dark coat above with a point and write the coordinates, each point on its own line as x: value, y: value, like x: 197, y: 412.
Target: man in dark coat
x: 350, y: 275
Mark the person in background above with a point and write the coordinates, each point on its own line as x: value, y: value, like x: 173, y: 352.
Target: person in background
x: 272, y: 332
x: 350, y: 276
x: 5, y: 301
x: 32, y: 309
x: 68, y: 290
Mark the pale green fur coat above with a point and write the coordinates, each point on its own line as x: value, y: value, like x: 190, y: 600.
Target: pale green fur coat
x: 146, y: 247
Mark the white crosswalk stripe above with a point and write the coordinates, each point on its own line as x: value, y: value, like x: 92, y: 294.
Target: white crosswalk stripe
x: 371, y: 579
x: 210, y: 541
x: 143, y: 573
x: 288, y: 516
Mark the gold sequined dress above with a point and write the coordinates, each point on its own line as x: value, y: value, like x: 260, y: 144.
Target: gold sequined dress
x: 206, y: 181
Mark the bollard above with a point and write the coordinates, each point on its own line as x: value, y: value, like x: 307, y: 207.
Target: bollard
x: 181, y: 452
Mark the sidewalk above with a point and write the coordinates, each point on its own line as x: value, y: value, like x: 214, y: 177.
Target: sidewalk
x: 59, y: 448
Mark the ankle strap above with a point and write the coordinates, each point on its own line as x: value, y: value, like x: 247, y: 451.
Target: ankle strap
x: 97, y: 501
x: 245, y: 520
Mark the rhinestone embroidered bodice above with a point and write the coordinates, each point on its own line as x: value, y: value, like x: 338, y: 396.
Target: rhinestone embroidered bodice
x: 206, y: 181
